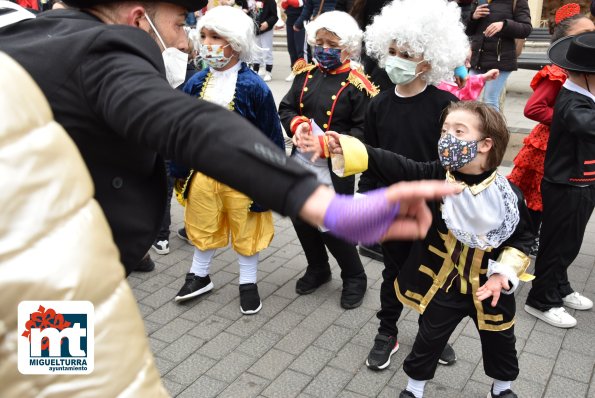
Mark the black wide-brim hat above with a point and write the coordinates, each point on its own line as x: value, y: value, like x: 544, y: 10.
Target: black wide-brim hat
x: 190, y: 5
x: 574, y: 53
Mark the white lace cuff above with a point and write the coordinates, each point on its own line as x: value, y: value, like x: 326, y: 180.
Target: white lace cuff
x: 494, y: 267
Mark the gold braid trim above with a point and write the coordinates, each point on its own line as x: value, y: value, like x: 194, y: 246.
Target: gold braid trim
x: 362, y: 82
x: 301, y: 66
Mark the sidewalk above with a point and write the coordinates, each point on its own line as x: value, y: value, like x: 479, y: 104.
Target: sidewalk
x: 308, y: 346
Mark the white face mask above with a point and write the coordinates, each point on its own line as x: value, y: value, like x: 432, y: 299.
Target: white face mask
x: 213, y: 55
x: 175, y: 61
x: 401, y: 71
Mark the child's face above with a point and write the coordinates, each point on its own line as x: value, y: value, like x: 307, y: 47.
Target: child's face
x: 405, y: 52
x: 210, y: 37
x: 327, y: 39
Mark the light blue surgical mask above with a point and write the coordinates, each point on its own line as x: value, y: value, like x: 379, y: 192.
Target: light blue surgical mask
x: 401, y: 71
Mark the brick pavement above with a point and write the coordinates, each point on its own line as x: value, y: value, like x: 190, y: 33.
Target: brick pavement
x: 308, y: 346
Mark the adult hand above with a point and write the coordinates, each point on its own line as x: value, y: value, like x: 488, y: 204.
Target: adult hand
x: 493, y: 28
x: 414, y: 216
x: 334, y: 143
x: 481, y: 12
x: 296, y: 29
x: 264, y: 26
x: 311, y: 143
x: 492, y: 288
x: 461, y: 81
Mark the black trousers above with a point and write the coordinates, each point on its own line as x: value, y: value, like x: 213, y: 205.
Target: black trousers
x: 566, y: 211
x: 295, y: 40
x: 315, y: 243
x: 165, y: 223
x: 441, y: 317
x: 395, y: 254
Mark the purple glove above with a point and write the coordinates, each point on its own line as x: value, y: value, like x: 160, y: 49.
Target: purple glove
x: 365, y: 220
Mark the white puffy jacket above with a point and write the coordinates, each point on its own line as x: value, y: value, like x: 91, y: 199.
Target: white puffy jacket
x: 55, y: 244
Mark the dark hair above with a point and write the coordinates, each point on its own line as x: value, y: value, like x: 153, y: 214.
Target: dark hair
x: 561, y: 30
x: 491, y: 125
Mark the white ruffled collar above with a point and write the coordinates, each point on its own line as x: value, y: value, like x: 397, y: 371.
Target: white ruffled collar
x: 483, y: 215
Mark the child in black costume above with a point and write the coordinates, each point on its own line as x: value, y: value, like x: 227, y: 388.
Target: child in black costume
x: 470, y: 254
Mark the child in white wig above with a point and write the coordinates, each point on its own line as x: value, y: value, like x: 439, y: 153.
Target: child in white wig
x: 330, y: 95
x: 214, y: 210
x: 419, y: 43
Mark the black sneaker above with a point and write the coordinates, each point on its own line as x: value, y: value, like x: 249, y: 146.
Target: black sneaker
x: 384, y: 348
x: 448, y: 356
x: 161, y: 246
x: 249, y: 299
x: 503, y: 394
x: 145, y: 265
x: 311, y: 281
x: 182, y: 235
x: 194, y: 286
x: 354, y: 289
x: 406, y: 394
x: 373, y: 251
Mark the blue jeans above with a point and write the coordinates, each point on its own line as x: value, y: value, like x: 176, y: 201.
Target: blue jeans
x: 493, y: 89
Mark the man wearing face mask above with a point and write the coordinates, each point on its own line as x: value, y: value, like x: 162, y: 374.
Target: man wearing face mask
x: 104, y: 78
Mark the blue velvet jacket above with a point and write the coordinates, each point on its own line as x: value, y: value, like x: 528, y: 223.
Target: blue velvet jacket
x: 253, y: 100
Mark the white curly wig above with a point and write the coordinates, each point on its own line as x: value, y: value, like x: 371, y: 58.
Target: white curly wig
x: 233, y: 25
x: 431, y: 28
x: 341, y: 24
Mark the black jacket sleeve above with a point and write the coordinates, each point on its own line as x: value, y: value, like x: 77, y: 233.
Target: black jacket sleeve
x: 126, y: 85
x: 368, y: 181
x: 288, y: 108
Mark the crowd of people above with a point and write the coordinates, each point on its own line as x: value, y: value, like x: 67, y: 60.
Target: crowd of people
x: 399, y: 91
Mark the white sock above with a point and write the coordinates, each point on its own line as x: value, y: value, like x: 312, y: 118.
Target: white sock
x: 248, y: 268
x: 201, y: 262
x: 500, y: 386
x: 416, y: 387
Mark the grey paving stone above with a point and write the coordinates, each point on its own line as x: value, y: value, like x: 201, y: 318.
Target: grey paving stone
x: 273, y: 304
x: 271, y: 263
x: 298, y: 262
x: 287, y: 290
x: 156, y: 345
x: 468, y: 349
x: 204, y: 387
x: 366, y: 334
x: 367, y: 382
x: 200, y: 310
x: 328, y: 383
x: 282, y: 239
x: 436, y: 390
x: 190, y: 369
x: 576, y: 274
x: 172, y: 387
x: 536, y: 368
x: 334, y: 338
x: 350, y: 394
x: 173, y: 330
x: 246, y: 386
x: 312, y: 360
x: 476, y: 389
x: 259, y: 343
x: 245, y: 326
x: 350, y: 358
x: 559, y: 386
x: 178, y: 270
x: 284, y: 322
x: 265, y: 289
x: 356, y: 318
x: 231, y: 367
x: 271, y: 364
x: 221, y: 278
x: 306, y: 304
x: 454, y: 376
x: 319, y: 320
x: 140, y: 294
x: 389, y: 392
x: 225, y: 294
x: 289, y: 251
x: 582, y: 260
x: 371, y: 299
x: 163, y: 365
x: 296, y: 341
x: 543, y: 344
x: 220, y: 345
x: 160, y: 297
x: 210, y: 327
x: 133, y: 280
x: 181, y: 348
x: 289, y: 384
x: 231, y: 310
x: 579, y: 341
x: 156, y: 282
x: 280, y: 276
x: 150, y: 327
x: 166, y: 313
x: 574, y: 366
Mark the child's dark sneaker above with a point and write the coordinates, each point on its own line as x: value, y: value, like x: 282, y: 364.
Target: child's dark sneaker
x: 406, y: 394
x: 503, y: 394
x: 312, y: 281
x: 384, y: 348
x: 448, y: 356
x: 354, y: 289
x: 194, y: 286
x: 249, y: 299
x: 183, y: 235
